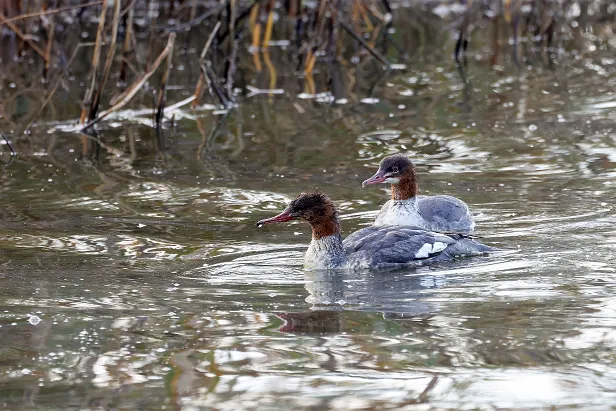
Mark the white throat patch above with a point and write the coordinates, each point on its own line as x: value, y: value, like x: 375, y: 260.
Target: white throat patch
x: 400, y: 212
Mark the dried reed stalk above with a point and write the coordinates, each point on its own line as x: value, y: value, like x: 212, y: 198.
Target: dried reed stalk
x: 294, y: 8
x: 162, y: 96
x: 232, y: 47
x: 267, y: 36
x: 311, y: 60
x: 255, y: 27
x: 272, y: 72
x: 87, y: 99
x: 109, y: 60
x: 202, y: 80
x: 365, y: 17
x: 254, y: 13
x: 128, y: 38
x: 136, y: 86
x: 50, y: 36
x: 151, y: 36
x: 212, y: 86
x: 193, y: 10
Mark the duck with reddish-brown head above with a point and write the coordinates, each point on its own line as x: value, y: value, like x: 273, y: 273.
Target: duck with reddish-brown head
x: 382, y: 247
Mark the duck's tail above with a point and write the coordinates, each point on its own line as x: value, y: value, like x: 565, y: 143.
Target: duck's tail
x: 465, y: 246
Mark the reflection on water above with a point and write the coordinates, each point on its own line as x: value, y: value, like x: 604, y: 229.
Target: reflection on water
x: 133, y: 276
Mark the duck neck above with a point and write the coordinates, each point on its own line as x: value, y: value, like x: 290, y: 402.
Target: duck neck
x: 325, y: 250
x: 405, y: 189
x: 325, y: 253
x: 325, y: 226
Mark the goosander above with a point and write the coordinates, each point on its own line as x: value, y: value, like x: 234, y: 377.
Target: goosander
x: 441, y: 213
x: 382, y: 247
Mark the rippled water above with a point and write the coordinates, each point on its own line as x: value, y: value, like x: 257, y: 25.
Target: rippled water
x: 134, y: 277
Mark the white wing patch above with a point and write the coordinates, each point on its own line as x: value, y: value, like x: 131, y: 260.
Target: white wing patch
x: 438, y: 247
x: 427, y: 249
x: 424, y: 251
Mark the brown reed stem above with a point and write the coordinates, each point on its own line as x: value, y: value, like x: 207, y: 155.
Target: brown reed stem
x: 201, y: 81
x: 267, y: 36
x: 311, y: 60
x: 128, y: 38
x: 87, y: 99
x: 151, y: 36
x: 364, y: 15
x: 255, y: 27
x: 272, y: 71
x: 212, y: 86
x: 252, y: 18
x: 193, y: 10
x: 162, y: 96
x: 109, y: 60
x: 50, y: 36
x: 232, y: 48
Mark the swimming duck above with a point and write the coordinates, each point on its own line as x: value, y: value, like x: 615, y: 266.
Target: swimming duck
x: 441, y: 213
x: 380, y: 247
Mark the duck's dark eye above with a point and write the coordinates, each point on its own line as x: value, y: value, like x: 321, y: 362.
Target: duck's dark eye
x: 394, y: 169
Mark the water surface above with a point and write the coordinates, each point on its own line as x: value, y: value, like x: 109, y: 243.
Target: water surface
x: 133, y: 276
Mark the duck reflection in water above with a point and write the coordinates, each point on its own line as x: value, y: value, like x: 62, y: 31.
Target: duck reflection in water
x: 335, y: 295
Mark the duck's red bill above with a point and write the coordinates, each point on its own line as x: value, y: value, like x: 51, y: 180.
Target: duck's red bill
x: 280, y: 218
x: 375, y: 179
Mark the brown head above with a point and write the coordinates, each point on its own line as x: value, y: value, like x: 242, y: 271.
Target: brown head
x: 314, y: 207
x: 398, y: 171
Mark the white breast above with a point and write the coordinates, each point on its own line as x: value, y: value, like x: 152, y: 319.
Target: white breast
x: 401, y: 212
